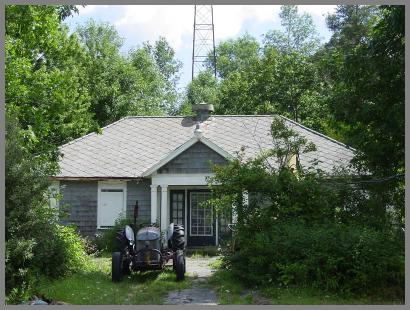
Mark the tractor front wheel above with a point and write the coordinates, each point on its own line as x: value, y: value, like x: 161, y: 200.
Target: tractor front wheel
x: 116, y: 267
x: 180, y: 265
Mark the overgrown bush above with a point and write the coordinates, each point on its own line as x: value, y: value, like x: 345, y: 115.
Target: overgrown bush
x: 342, y: 257
x: 106, y: 239
x: 35, y: 243
x: 303, y: 227
x: 90, y: 246
x: 61, y: 252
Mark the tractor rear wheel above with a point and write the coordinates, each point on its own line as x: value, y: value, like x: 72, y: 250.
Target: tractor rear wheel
x: 180, y: 265
x: 116, y: 267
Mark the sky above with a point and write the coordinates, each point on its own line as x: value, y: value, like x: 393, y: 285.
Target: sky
x: 139, y: 23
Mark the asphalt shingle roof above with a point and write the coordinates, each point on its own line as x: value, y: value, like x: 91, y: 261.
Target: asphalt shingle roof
x: 132, y: 145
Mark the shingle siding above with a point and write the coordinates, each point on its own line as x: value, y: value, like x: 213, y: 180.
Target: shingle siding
x: 80, y: 198
x: 196, y: 159
x: 139, y: 190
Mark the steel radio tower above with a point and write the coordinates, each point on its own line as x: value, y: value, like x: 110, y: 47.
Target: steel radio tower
x: 203, y: 46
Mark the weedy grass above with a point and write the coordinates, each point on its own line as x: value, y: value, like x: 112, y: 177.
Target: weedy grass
x: 313, y: 296
x: 94, y: 286
x: 203, y: 252
x: 232, y: 291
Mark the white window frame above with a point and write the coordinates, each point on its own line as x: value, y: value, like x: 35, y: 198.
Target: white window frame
x: 111, y: 184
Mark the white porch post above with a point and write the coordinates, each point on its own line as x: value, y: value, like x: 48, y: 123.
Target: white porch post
x: 154, y: 202
x: 164, y: 207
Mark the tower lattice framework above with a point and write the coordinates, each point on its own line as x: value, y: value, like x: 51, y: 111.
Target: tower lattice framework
x: 203, y: 47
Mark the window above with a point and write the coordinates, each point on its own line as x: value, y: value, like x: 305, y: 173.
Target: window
x: 177, y: 207
x: 201, y: 217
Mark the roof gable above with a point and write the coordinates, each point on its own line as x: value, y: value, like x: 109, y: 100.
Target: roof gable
x: 196, y: 159
x: 184, y: 148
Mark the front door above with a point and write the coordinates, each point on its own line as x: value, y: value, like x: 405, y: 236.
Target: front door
x: 201, y: 228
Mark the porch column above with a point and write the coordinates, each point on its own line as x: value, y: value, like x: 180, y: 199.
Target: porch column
x: 164, y: 207
x: 154, y: 202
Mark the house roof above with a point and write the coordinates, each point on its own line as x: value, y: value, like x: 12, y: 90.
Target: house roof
x: 132, y: 146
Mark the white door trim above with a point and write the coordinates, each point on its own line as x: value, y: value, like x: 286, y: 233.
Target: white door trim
x: 112, y: 184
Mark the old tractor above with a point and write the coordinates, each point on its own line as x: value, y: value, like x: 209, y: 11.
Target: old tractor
x: 146, y: 250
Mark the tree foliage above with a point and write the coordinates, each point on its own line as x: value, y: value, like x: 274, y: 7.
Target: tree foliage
x: 164, y: 57
x: 141, y: 83
x: 60, y: 86
x: 35, y: 242
x: 279, y: 77
x: 307, y: 228
x: 368, y: 86
x: 45, y: 85
x: 299, y: 33
x: 204, y: 88
x: 235, y: 55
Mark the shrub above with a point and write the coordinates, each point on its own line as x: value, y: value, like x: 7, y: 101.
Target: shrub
x: 342, y: 257
x: 35, y: 243
x: 90, y: 246
x: 106, y: 239
x: 61, y: 252
x: 300, y: 226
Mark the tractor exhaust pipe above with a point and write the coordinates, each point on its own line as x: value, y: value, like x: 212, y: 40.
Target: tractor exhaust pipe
x: 135, y: 214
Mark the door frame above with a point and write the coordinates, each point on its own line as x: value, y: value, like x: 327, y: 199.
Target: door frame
x: 188, y: 226
x: 112, y: 184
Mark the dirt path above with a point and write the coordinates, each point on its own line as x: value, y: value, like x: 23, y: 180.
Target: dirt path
x: 198, y: 295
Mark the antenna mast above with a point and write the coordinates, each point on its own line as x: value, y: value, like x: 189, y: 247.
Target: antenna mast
x: 203, y: 45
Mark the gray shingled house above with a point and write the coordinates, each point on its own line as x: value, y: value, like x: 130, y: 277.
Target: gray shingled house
x: 163, y: 162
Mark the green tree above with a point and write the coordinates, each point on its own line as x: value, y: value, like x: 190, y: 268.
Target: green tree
x: 299, y: 32
x: 368, y: 94
x: 280, y: 79
x: 238, y: 61
x: 364, y: 72
x: 203, y: 88
x: 109, y: 75
x: 290, y: 74
x: 235, y: 55
x: 143, y: 82
x: 237, y: 94
x: 351, y: 25
x: 35, y: 243
x: 149, y: 96
x: 289, y: 84
x: 164, y: 56
x: 45, y: 82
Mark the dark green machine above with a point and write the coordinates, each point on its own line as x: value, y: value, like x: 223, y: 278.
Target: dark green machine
x: 145, y: 251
